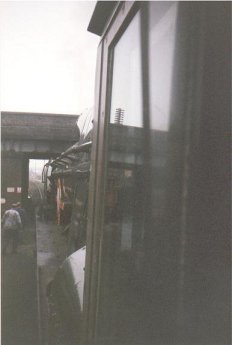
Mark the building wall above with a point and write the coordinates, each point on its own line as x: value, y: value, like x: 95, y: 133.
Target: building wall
x: 30, y: 135
x: 12, y: 180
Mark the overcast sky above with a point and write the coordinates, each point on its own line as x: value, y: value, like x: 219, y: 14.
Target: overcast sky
x: 47, y: 56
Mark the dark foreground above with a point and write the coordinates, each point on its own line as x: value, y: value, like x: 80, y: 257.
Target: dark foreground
x: 19, y: 316
x: 28, y: 311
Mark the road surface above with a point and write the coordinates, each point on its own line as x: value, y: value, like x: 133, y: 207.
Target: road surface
x: 19, y: 314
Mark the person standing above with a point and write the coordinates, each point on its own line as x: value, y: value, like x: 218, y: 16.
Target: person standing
x: 11, y: 225
x: 22, y: 214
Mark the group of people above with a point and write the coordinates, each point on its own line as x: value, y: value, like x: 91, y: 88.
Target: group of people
x: 13, y: 222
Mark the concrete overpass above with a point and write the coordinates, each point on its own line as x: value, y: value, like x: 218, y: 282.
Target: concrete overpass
x: 30, y: 135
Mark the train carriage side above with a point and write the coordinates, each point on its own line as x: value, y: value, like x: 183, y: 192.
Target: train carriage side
x: 66, y: 184
x: 158, y: 242
x: 156, y: 265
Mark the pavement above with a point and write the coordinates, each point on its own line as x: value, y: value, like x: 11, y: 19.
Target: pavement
x: 19, y: 304
x: 27, y: 313
x: 51, y: 252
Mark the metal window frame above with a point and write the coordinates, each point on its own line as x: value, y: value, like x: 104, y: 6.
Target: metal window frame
x: 119, y: 22
x: 185, y: 131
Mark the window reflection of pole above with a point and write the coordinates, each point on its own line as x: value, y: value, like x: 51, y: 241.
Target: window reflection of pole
x: 119, y: 116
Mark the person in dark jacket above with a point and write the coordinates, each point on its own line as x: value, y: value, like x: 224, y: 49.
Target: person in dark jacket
x: 22, y: 214
x: 11, y: 225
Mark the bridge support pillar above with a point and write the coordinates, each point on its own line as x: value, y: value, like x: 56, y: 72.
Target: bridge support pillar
x: 14, y: 179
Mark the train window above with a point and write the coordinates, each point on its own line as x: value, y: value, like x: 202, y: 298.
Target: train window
x: 162, y: 235
x: 126, y: 101
x: 133, y: 243
x: 124, y: 204
x: 162, y: 43
x: 150, y: 229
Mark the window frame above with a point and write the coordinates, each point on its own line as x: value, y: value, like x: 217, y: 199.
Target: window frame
x: 186, y: 105
x: 123, y: 15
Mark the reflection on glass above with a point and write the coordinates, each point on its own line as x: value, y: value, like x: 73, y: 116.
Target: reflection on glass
x: 126, y: 102
x: 161, y: 56
x: 124, y: 210
x: 162, y: 43
x: 132, y: 282
x: 160, y: 239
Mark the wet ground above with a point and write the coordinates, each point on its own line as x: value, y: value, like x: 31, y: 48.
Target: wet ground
x: 19, y: 302
x: 28, y: 315
x: 51, y: 252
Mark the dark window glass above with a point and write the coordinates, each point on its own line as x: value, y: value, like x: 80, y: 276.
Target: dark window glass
x: 162, y: 44
x: 134, y: 270
x: 161, y: 237
x: 124, y: 210
x: 126, y: 101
